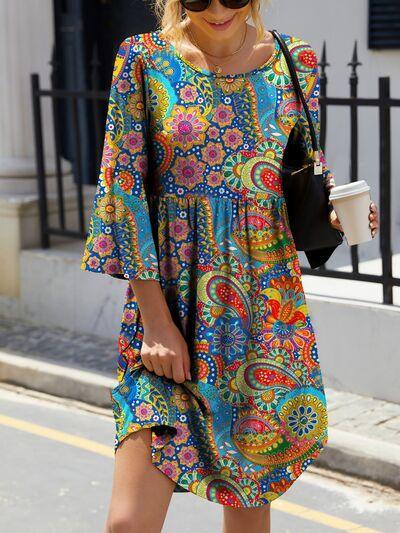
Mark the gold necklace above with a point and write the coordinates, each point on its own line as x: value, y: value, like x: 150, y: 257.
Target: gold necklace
x: 218, y: 67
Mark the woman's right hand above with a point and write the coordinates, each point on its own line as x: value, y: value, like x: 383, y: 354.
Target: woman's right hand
x: 165, y: 351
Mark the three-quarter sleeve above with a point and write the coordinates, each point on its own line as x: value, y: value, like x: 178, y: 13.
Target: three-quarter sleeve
x: 310, y: 84
x: 120, y: 239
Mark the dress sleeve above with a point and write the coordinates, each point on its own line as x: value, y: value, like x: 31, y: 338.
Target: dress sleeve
x: 120, y: 241
x: 309, y: 80
x: 310, y: 84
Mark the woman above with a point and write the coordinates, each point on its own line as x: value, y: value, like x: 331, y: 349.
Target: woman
x: 220, y: 390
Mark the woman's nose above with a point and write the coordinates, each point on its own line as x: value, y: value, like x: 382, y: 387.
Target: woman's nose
x: 217, y: 9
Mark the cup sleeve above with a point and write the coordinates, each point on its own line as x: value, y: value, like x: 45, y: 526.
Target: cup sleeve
x: 120, y: 240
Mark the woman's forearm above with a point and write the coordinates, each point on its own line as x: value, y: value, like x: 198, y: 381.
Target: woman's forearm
x: 151, y: 301
x: 164, y: 349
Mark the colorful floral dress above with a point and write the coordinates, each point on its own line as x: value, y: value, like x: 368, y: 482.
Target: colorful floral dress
x: 190, y: 195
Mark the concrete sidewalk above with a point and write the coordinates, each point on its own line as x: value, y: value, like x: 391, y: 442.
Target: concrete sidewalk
x: 364, y: 433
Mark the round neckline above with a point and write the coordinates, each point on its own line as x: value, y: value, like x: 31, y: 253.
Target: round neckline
x: 210, y: 73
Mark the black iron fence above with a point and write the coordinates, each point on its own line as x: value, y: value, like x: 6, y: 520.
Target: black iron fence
x: 384, y: 103
x: 72, y: 109
x: 97, y: 98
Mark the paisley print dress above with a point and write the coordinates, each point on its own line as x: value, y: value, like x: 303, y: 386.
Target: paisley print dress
x: 190, y: 195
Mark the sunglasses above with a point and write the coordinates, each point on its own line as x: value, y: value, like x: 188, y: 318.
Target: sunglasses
x: 201, y: 5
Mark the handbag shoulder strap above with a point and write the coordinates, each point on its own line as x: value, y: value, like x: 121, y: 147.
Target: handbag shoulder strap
x: 299, y: 92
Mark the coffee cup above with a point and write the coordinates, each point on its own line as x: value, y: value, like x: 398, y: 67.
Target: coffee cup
x: 352, y: 205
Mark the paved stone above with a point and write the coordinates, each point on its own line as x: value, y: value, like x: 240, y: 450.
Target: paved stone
x: 393, y: 423
x: 338, y: 399
x: 87, y: 352
x: 347, y: 411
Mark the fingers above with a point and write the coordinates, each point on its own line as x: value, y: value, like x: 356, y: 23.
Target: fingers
x: 152, y: 363
x: 373, y: 216
x: 147, y: 362
x: 186, y: 364
x: 165, y: 352
x: 373, y: 224
x: 162, y: 363
x: 330, y: 182
x: 373, y: 211
x: 181, y: 366
x: 178, y: 371
x: 168, y: 363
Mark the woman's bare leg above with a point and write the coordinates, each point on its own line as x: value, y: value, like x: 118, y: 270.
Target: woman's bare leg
x: 141, y: 493
x: 252, y: 520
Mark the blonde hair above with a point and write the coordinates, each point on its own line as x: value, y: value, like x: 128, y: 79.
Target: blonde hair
x: 172, y: 19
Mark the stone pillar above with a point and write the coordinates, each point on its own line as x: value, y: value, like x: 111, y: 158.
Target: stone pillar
x: 26, y: 41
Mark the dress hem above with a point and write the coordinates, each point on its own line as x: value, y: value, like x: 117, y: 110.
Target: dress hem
x: 161, y: 440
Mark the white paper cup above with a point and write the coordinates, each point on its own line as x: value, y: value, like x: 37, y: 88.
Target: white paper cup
x: 351, y: 203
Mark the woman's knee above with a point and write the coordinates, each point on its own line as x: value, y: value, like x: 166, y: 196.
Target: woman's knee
x: 248, y: 519
x: 126, y: 521
x: 141, y: 493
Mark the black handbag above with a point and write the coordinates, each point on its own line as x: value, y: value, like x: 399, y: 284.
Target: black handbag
x: 305, y: 191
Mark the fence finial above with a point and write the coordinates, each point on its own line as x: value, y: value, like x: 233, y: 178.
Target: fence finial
x: 323, y: 63
x: 55, y: 67
x: 354, y: 63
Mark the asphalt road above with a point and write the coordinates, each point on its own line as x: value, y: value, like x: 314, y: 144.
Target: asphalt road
x: 56, y: 463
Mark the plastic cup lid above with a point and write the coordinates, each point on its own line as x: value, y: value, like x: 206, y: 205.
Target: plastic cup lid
x: 349, y: 189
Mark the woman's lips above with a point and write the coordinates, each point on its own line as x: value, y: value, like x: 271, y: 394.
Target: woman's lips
x: 221, y: 26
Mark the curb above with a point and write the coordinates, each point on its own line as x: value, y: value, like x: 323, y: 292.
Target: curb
x: 57, y: 380
x: 362, y: 457
x: 349, y: 453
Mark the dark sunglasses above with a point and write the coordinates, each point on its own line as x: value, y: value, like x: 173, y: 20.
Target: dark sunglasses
x: 201, y: 5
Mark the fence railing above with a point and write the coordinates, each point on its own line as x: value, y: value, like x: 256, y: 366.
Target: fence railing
x: 383, y: 103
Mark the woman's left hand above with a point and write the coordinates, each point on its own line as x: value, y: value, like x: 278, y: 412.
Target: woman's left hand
x: 373, y: 214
